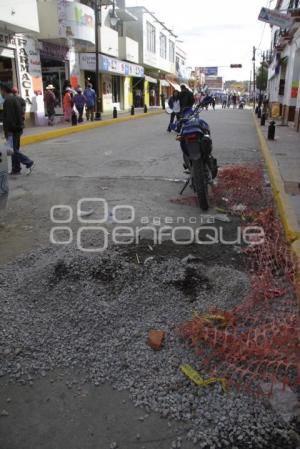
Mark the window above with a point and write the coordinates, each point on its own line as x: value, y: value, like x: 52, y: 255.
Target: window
x: 163, y: 46
x: 151, y: 38
x: 171, y: 51
x: 281, y: 87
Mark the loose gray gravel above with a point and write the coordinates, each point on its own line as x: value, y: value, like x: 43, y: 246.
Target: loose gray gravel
x: 64, y: 310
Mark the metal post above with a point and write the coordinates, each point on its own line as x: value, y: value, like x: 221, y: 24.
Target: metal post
x: 98, y: 4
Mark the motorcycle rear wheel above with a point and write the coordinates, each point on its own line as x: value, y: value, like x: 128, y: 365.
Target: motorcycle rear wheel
x: 200, y: 183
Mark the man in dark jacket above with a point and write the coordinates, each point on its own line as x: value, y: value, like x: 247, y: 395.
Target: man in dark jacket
x: 13, y: 126
x: 186, y: 98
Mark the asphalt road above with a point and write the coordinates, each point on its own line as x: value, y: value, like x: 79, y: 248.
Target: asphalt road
x: 133, y: 163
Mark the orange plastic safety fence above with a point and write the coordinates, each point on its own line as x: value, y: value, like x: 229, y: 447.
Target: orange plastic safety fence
x: 261, y: 339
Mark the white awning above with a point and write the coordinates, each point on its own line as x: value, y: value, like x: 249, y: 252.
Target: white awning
x: 164, y: 83
x: 175, y: 86
x: 150, y: 79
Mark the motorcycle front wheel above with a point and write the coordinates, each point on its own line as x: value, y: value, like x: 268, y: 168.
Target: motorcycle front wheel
x: 200, y: 183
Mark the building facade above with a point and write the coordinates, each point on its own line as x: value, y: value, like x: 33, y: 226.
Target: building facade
x: 157, y: 50
x: 50, y: 41
x: 284, y: 66
x: 19, y: 53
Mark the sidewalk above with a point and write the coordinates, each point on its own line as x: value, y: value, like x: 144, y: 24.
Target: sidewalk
x: 285, y: 149
x: 40, y: 133
x: 282, y: 158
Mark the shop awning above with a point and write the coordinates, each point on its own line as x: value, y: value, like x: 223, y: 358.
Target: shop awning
x: 175, y: 85
x: 164, y: 83
x: 150, y: 79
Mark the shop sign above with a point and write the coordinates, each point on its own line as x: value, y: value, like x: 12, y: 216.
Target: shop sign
x: 29, y: 70
x: 110, y: 65
x: 7, y: 40
x: 275, y: 110
x: 76, y: 21
x: 208, y: 71
x: 275, y: 18
x: 74, y: 65
x: 53, y: 51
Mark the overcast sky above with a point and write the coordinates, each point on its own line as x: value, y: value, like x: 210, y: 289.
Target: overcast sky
x: 215, y: 32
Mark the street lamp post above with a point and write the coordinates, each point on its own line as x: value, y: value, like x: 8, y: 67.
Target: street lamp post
x: 98, y: 5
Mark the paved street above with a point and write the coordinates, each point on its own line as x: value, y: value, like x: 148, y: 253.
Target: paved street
x: 127, y: 163
x: 77, y: 371
x: 149, y: 280
x: 135, y: 163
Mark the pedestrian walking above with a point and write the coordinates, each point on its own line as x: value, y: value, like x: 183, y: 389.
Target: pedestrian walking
x: 13, y: 124
x: 213, y: 102
x: 174, y: 104
x: 21, y: 100
x: 186, y: 98
x: 80, y: 102
x: 68, y: 104
x: 234, y: 101
x: 90, y: 96
x: 50, y: 103
x: 224, y: 101
x: 229, y: 101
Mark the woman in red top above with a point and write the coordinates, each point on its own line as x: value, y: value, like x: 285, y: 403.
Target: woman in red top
x: 68, y: 104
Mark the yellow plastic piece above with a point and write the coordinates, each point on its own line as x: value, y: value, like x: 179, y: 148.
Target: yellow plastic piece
x: 195, y: 377
x: 213, y: 319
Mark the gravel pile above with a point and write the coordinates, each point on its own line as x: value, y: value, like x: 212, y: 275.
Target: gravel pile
x: 94, y: 313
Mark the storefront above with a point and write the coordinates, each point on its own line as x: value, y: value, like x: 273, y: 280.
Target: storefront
x: 116, y: 79
x: 55, y: 69
x: 138, y: 92
x: 8, y: 69
x: 20, y: 66
x: 166, y: 89
x: 153, y: 90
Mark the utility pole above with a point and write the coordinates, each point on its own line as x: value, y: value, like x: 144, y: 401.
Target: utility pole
x: 254, y: 78
x: 97, y: 5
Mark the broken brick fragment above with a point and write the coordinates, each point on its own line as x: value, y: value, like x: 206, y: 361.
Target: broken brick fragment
x: 156, y: 339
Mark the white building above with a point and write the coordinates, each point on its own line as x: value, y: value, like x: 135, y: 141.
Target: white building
x: 118, y: 58
x: 50, y: 41
x: 156, y: 53
x: 284, y: 69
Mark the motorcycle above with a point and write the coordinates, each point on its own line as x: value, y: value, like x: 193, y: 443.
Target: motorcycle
x: 194, y: 136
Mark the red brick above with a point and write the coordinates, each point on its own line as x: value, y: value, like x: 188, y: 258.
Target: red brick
x: 156, y: 339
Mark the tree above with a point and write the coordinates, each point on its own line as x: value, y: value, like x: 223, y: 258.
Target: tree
x: 262, y: 78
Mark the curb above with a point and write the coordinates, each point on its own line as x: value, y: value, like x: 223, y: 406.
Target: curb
x: 53, y: 134
x: 285, y: 209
